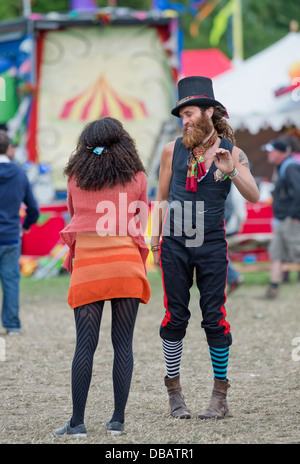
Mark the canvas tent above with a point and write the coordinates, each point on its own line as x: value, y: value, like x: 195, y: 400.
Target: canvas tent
x: 249, y: 89
x: 206, y: 62
x: 262, y: 97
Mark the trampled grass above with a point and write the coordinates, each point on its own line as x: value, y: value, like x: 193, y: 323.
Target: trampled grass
x: 263, y: 371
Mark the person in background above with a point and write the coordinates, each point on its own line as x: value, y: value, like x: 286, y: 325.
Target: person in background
x: 107, y: 200
x: 15, y: 190
x: 235, y: 215
x: 285, y: 243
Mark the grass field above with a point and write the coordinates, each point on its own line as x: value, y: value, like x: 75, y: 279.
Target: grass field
x: 263, y: 371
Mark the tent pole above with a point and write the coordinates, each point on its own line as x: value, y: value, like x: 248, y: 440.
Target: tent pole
x: 26, y: 8
x: 237, y: 32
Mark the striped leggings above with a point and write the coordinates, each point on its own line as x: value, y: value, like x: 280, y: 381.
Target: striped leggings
x: 88, y: 320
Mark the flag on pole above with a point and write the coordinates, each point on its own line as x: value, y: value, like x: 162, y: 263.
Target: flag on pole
x: 206, y: 8
x: 220, y: 23
x: 232, y: 9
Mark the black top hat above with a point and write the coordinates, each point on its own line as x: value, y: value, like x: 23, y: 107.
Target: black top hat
x: 195, y: 91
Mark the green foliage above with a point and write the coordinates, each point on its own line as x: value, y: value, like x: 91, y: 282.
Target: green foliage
x: 40, y: 6
x: 264, y: 22
x: 14, y: 8
x: 10, y: 9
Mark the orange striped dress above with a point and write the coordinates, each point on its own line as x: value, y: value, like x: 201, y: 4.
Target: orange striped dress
x: 105, y: 268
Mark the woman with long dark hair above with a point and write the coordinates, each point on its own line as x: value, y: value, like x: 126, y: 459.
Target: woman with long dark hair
x: 107, y: 201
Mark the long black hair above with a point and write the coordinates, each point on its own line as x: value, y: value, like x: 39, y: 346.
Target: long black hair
x: 118, y: 162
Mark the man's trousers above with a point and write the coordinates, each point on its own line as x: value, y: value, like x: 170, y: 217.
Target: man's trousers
x: 209, y: 263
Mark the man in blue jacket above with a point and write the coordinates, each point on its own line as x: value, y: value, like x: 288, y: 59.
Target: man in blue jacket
x: 15, y: 190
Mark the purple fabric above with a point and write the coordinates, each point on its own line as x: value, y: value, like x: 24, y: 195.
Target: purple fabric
x: 83, y: 5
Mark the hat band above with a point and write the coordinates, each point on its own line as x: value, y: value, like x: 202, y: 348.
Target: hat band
x: 192, y: 98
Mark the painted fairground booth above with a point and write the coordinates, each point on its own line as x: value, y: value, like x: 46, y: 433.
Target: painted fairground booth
x: 63, y: 70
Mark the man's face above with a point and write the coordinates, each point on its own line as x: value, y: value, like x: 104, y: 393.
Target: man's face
x: 197, y: 126
x: 276, y: 157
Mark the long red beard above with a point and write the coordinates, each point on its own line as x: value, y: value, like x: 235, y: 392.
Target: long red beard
x: 199, y: 132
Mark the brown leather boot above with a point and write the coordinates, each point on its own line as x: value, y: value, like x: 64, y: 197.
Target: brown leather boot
x: 271, y: 294
x: 218, y: 407
x: 176, y: 400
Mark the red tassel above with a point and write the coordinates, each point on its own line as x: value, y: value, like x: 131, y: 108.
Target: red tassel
x: 201, y: 169
x: 191, y: 184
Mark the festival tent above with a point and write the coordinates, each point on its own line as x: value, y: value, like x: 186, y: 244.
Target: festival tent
x: 206, y: 62
x: 262, y: 97
x: 250, y: 89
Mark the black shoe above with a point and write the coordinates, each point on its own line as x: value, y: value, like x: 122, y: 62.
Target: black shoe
x: 114, y: 428
x: 78, y: 431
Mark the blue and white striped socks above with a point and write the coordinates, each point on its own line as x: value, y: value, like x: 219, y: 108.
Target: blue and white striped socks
x: 219, y: 359
x: 173, y: 350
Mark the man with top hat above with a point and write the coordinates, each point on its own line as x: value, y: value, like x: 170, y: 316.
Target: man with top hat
x: 195, y: 176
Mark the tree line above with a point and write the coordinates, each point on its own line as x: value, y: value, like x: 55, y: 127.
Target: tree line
x: 264, y: 22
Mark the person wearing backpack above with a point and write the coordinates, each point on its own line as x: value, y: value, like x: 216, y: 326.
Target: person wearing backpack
x: 285, y: 244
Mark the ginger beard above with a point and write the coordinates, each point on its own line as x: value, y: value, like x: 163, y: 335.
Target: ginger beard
x: 196, y: 132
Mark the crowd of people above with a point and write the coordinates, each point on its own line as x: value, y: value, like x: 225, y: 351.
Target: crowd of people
x: 201, y: 174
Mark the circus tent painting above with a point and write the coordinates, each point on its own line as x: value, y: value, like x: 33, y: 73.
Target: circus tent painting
x: 100, y: 100
x: 84, y: 75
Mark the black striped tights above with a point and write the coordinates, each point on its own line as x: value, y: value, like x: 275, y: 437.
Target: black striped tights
x: 88, y: 320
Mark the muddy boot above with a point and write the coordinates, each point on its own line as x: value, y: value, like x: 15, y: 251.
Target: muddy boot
x: 176, y: 401
x: 271, y: 294
x: 218, y: 407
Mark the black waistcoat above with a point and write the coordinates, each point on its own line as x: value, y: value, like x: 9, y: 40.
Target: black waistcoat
x: 212, y: 193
